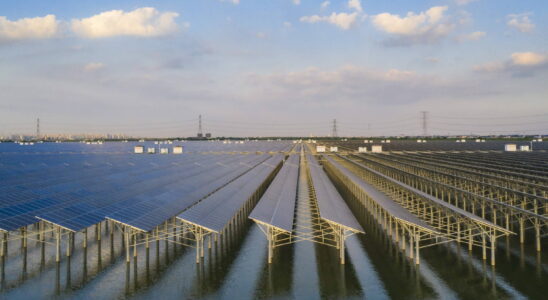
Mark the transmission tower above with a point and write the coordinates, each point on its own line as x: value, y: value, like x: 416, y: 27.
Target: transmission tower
x: 200, y: 133
x: 334, y: 133
x: 38, y: 128
x: 424, y: 115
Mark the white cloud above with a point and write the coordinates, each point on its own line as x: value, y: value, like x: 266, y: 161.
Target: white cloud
x: 341, y: 20
x: 473, y: 36
x: 29, y: 28
x: 521, y: 22
x: 355, y: 4
x: 324, y: 4
x: 352, y: 85
x: 520, y: 63
x: 464, y: 2
x: 528, y: 58
x: 425, y: 27
x: 93, y: 66
x: 288, y: 24
x: 146, y: 21
x: 296, y: 2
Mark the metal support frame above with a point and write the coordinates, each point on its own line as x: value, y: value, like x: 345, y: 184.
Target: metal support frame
x: 449, y: 224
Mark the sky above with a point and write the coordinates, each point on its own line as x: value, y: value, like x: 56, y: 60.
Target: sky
x: 274, y: 67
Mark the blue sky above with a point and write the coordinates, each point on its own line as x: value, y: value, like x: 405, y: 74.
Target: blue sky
x: 274, y: 67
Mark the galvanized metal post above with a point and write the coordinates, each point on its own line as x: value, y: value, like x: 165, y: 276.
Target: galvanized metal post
x: 341, y: 239
x: 417, y: 258
x: 270, y: 246
x: 127, y: 245
x: 493, y: 248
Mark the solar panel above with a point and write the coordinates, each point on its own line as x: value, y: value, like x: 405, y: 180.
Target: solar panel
x: 277, y: 206
x: 106, y: 200
x: 331, y: 205
x: 53, y: 181
x: 217, y: 210
x: 436, y: 200
x: 153, y: 211
x: 389, y: 205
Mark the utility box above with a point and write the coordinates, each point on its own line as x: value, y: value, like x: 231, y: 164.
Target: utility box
x: 333, y: 149
x: 376, y: 148
x: 510, y: 147
x: 164, y: 150
x: 178, y: 150
x: 388, y: 141
x: 138, y: 149
x: 463, y: 141
x: 366, y: 141
x: 362, y: 149
x: 320, y: 149
x: 151, y: 150
x: 524, y: 148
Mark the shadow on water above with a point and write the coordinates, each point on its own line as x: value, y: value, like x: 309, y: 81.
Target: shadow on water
x: 212, y: 272
x: 335, y: 279
x: 400, y: 276
x: 275, y: 280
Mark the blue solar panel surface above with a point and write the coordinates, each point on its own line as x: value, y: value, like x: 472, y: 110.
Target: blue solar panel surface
x: 331, y: 205
x: 393, y: 208
x: 76, y: 185
x: 277, y: 205
x: 215, y: 212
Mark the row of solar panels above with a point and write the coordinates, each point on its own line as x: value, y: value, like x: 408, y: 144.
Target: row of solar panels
x: 215, y: 212
x: 121, y: 147
x: 432, y: 199
x: 277, y: 206
x: 141, y: 192
x: 331, y: 205
x: 385, y: 202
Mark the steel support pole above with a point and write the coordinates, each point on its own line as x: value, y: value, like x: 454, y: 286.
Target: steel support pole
x: 341, y: 240
x: 127, y: 245
x: 493, y: 248
x: 58, y: 245
x: 484, y: 253
x: 417, y: 258
x: 198, y: 237
x: 270, y: 246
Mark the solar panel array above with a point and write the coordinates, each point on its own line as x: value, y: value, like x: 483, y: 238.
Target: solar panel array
x: 277, y: 205
x: 118, y: 191
x: 121, y: 147
x: 331, y: 205
x: 433, y: 199
x: 145, y: 213
x: 387, y: 204
x: 216, y: 211
x: 438, y: 145
x: 76, y: 189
